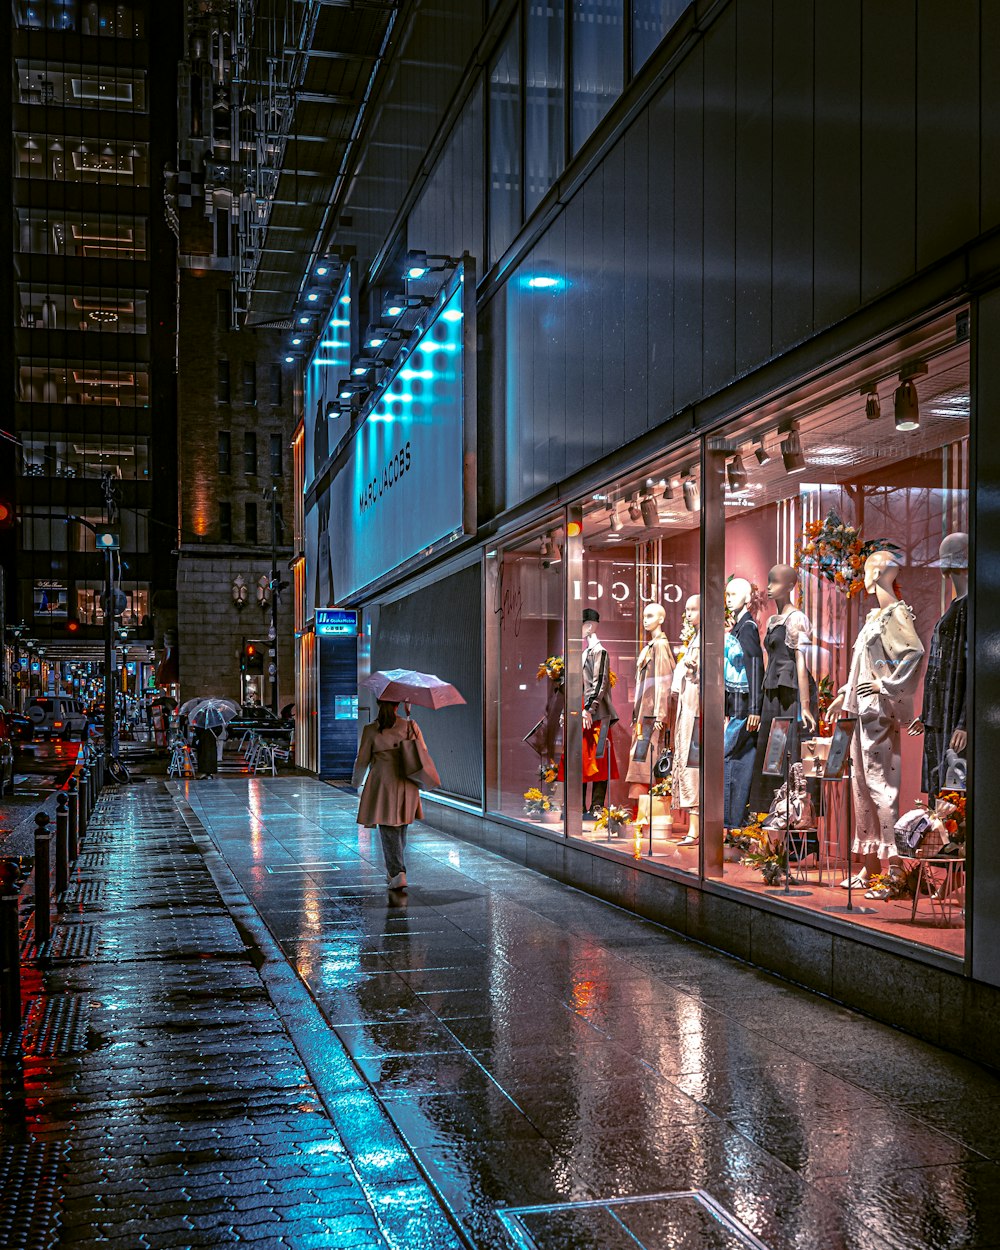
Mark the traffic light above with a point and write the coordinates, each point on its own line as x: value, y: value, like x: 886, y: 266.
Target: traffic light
x: 252, y: 659
x: 72, y: 626
x: 6, y: 514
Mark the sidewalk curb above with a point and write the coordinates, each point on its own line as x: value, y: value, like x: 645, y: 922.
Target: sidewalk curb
x: 338, y: 1081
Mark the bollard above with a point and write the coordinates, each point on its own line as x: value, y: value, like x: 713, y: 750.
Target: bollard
x: 81, y: 828
x: 43, y: 883
x: 98, y: 776
x: 10, y: 949
x: 62, y: 848
x: 73, y: 799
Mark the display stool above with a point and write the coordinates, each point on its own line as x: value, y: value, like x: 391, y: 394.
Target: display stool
x: 945, y: 880
x: 797, y: 843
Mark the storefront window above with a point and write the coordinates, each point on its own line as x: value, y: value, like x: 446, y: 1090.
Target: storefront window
x: 528, y: 602
x: 847, y: 567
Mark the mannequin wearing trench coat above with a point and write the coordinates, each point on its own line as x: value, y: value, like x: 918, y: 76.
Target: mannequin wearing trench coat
x: 388, y: 798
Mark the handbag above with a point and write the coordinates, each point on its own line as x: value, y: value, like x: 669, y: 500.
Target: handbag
x: 664, y: 765
x: 694, y: 749
x: 910, y: 831
x: 416, y: 763
x: 792, y: 806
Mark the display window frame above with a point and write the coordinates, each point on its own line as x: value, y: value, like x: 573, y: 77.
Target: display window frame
x: 712, y: 449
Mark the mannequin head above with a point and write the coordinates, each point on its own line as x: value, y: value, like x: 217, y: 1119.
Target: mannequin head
x: 781, y: 582
x: 653, y: 617
x: 738, y: 592
x: 881, y: 571
x: 591, y: 620
x: 953, y: 560
x: 692, y: 611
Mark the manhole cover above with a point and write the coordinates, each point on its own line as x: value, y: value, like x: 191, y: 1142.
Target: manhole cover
x: 690, y: 1217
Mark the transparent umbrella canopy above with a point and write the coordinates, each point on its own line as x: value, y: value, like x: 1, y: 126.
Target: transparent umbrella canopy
x: 212, y: 713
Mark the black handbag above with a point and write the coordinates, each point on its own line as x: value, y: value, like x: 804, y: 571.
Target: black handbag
x: 664, y: 766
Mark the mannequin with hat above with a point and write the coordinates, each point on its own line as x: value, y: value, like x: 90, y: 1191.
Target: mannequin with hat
x: 599, y: 764
x: 942, y: 714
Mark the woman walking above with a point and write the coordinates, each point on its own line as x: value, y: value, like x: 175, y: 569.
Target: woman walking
x: 389, y: 799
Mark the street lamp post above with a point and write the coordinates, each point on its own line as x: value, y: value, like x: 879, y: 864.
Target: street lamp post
x: 272, y: 636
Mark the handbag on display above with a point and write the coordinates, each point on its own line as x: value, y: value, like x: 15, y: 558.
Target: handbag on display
x: 694, y: 749
x: 536, y: 738
x: 664, y: 766
x: 910, y: 831
x: 792, y: 805
x: 814, y: 755
x: 416, y: 762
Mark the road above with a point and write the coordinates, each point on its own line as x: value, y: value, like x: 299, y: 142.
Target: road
x: 39, y: 770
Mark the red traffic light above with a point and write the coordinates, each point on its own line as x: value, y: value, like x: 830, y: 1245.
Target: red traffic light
x: 6, y: 515
x: 251, y: 650
x: 72, y: 626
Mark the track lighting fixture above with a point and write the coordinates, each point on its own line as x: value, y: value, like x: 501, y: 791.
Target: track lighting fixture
x: 670, y: 487
x: 614, y: 517
x: 634, y: 511
x: 650, y: 517
x: 736, y: 473
x: 692, y: 497
x: 873, y: 406
x: 791, y: 451
x: 904, y: 401
x: 761, y: 452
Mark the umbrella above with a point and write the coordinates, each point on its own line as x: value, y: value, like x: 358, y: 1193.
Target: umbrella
x: 405, y: 685
x: 212, y: 713
x: 188, y: 706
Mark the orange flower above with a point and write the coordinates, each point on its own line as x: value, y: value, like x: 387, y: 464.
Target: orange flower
x: 810, y: 549
x: 855, y: 562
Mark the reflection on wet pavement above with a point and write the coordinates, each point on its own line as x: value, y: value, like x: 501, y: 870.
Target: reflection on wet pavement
x: 536, y: 1047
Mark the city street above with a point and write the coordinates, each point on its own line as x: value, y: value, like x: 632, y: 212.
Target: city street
x: 244, y: 1037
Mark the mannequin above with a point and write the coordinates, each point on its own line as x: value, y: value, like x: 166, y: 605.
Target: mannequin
x: 788, y: 687
x: 653, y: 672
x: 599, y: 763
x: 686, y: 780
x: 942, y: 716
x: 885, y: 669
x: 744, y: 682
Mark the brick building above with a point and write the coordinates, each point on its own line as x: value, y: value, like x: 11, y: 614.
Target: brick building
x: 234, y: 407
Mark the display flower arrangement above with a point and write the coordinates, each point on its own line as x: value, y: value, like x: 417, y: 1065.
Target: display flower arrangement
x: 663, y: 789
x: 614, y: 819
x: 548, y: 774
x: 554, y: 668
x: 769, y: 857
x: 950, y: 807
x: 835, y: 551
x: 747, y: 838
x: 536, y: 803
x: 899, y: 882
x: 826, y: 693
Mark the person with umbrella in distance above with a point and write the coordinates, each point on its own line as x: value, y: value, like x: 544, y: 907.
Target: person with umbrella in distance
x: 209, y: 721
x: 390, y: 797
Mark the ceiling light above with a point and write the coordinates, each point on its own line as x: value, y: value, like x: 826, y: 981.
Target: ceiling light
x: 296, y: 342
x: 312, y: 297
x: 303, y: 321
x: 615, y: 518
x: 873, y: 408
x: 736, y: 473
x: 906, y: 406
x: 322, y: 270
x: 650, y: 517
x: 634, y: 511
x: 345, y: 395
x: 289, y: 360
x: 692, y: 498
x: 375, y: 341
x: 791, y: 452
x: 670, y: 487
x: 395, y: 310
x: 761, y: 452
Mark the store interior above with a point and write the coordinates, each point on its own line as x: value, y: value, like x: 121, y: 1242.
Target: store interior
x: 879, y: 447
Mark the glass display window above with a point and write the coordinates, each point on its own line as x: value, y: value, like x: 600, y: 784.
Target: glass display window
x: 845, y: 596
x: 54, y: 158
x: 90, y: 309
x: 528, y: 592
x: 635, y: 626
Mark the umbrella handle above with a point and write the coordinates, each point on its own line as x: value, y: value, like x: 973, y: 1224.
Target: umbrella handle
x: 406, y: 708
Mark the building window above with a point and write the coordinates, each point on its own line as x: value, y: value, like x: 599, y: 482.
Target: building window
x: 225, y: 452
x: 224, y: 309
x: 250, y: 521
x: 250, y: 453
x: 276, y: 389
x: 544, y: 99
x: 597, y: 55
x: 222, y: 382
x: 505, y: 145
x: 277, y: 442
x: 651, y: 19
x: 249, y: 381
x: 225, y: 521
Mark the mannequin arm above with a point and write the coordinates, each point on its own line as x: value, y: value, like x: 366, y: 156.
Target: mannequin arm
x: 663, y: 671
x: 802, y: 673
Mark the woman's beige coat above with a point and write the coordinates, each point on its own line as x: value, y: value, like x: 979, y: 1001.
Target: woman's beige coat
x: 388, y: 798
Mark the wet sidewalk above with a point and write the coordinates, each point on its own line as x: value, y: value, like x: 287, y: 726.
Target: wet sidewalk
x: 569, y: 1077
x: 162, y: 1100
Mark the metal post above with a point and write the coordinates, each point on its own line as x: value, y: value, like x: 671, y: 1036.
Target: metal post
x: 109, y: 651
x: 62, y: 847
x: 73, y: 799
x: 10, y: 949
x: 43, y: 883
x: 84, y: 806
x: 272, y: 641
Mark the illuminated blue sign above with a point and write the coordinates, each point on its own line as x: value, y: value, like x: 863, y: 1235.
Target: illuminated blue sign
x: 401, y: 491
x: 336, y: 622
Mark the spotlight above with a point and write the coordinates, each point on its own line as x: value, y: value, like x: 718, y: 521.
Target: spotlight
x: 614, y: 517
x: 650, y: 517
x: 873, y: 408
x: 415, y: 264
x: 692, y: 497
x: 736, y: 473
x: 296, y: 342
x: 670, y: 487
x: 322, y: 270
x: 303, y: 321
x: 906, y: 407
x: 761, y: 452
x: 289, y: 360
x: 634, y: 511
x: 312, y: 297
x: 546, y: 547
x: 791, y: 452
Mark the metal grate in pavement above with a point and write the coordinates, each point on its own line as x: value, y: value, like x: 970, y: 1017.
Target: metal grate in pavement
x: 86, y: 892
x: 56, y: 1027
x: 30, y: 1196
x: 689, y: 1217
x: 76, y: 941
